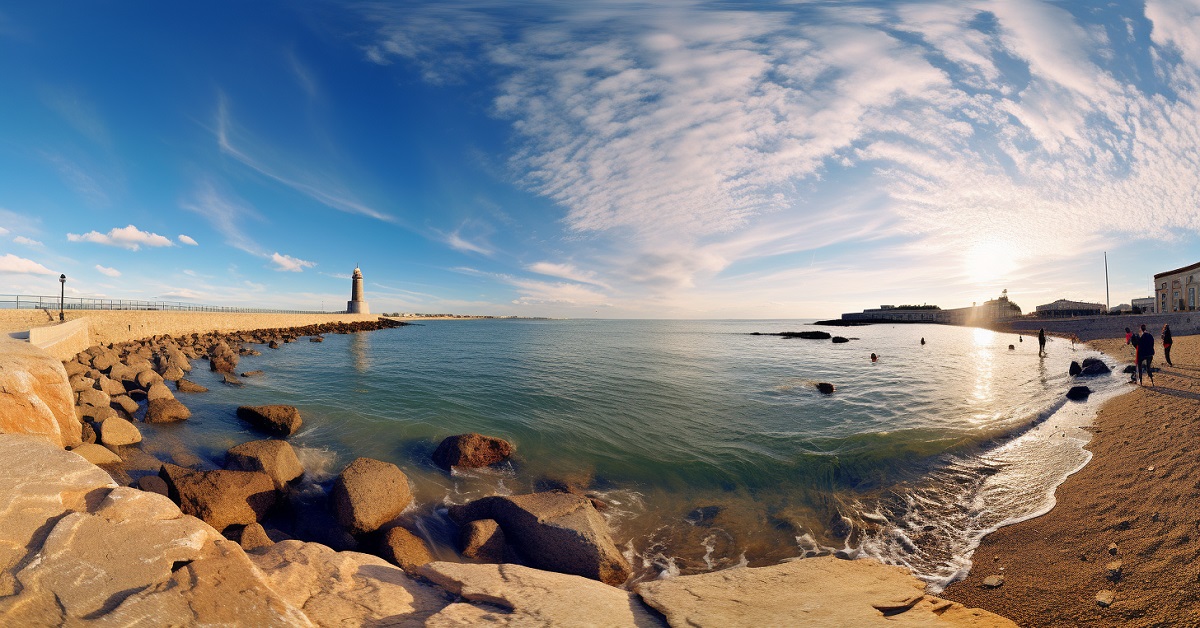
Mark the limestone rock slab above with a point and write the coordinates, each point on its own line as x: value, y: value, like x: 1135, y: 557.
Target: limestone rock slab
x: 823, y: 591
x: 341, y: 588
x: 534, y: 597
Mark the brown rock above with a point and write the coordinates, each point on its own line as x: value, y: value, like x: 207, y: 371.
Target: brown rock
x: 80, y: 383
x: 554, y: 531
x: 166, y: 411
x: 254, y: 537
x: 153, y: 484
x: 97, y: 455
x: 276, y: 458
x: 993, y: 581
x: 221, y: 498
x: 188, y: 386
x: 279, y: 420
x: 172, y: 373
x: 158, y: 390
x: 105, y: 361
x: 110, y: 386
x: 93, y: 397
x: 252, y: 373
x: 368, y: 494
x: 126, y: 404
x: 471, y: 450
x: 404, y: 549
x: 97, y: 414
x: 116, y: 432
x: 482, y: 541
x: 1105, y: 598
x: 89, y: 433
x: 147, y: 378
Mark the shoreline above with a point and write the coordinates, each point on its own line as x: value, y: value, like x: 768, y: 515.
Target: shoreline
x: 861, y: 597
x: 1123, y: 523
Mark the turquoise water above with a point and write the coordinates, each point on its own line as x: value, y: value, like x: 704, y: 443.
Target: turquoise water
x: 712, y: 447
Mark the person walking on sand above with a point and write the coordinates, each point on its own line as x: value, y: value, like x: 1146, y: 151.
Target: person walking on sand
x: 1145, y: 354
x: 1041, y: 342
x: 1166, y: 340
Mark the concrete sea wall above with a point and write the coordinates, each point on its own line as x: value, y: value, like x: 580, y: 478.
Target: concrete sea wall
x: 1097, y: 327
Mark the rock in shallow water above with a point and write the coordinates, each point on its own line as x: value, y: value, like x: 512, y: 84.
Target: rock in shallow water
x: 368, y: 494
x: 471, y: 451
x: 276, y: 458
x: 1078, y: 393
x: 221, y: 498
x: 279, y: 420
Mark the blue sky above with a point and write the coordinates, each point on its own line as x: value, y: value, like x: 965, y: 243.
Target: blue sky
x: 600, y: 159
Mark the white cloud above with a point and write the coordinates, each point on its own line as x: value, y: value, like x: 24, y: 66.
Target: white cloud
x: 185, y: 293
x: 188, y: 240
x: 3, y: 231
x: 459, y: 243
x: 18, y: 265
x: 691, y: 141
x: 130, y: 238
x: 290, y: 264
x: 26, y: 241
x: 111, y: 272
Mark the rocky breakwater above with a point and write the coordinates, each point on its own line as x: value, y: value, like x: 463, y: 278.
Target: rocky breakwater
x: 35, y: 397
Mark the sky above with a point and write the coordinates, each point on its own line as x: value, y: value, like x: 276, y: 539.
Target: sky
x: 610, y: 159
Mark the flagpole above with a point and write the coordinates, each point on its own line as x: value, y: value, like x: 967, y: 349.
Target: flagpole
x: 1107, y: 303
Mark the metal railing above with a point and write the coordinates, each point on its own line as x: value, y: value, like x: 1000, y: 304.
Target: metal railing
x: 35, y: 302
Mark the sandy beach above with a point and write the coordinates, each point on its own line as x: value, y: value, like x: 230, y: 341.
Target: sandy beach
x: 1139, y: 492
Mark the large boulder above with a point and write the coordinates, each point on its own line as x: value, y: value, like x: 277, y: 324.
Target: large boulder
x: 1074, y: 369
x: 276, y: 458
x: 166, y: 411
x: 1078, y: 393
x: 405, y: 549
x: 554, y: 531
x: 368, y: 494
x: 93, y: 397
x: 471, y: 450
x: 147, y: 378
x: 126, y: 404
x: 110, y: 386
x: 278, y: 420
x: 1094, y: 366
x: 157, y: 391
x: 115, y: 432
x: 222, y: 359
x: 105, y: 361
x: 35, y: 397
x: 221, y: 498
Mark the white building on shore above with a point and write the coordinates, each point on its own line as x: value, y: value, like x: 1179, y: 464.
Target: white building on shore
x: 1176, y: 289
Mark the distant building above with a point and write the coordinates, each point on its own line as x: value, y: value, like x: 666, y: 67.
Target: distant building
x: 1176, y: 289
x: 988, y: 312
x: 357, y: 304
x: 1063, y: 308
x: 1144, y: 304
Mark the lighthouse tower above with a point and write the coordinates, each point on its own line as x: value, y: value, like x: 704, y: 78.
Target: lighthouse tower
x: 356, y: 304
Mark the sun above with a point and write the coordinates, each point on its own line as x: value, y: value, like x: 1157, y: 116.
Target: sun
x: 989, y: 261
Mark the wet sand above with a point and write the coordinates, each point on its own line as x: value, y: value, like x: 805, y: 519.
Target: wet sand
x: 1141, y: 492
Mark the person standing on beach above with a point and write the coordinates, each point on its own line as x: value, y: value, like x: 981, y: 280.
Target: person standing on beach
x: 1128, y: 335
x: 1166, y: 339
x: 1041, y: 342
x: 1145, y: 354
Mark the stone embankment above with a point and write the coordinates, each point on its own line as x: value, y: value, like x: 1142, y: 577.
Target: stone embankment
x: 187, y: 546
x: 1098, y: 327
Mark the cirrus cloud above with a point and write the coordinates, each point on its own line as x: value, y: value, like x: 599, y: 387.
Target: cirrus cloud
x: 105, y: 270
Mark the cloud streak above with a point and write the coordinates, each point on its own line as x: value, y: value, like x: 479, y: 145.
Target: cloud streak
x: 10, y: 263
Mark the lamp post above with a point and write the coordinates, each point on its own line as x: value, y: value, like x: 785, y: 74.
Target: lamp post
x: 62, y: 279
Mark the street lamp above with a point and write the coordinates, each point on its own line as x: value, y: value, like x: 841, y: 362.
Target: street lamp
x: 62, y: 279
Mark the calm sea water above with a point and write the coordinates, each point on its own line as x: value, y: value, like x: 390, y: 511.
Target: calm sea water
x: 712, y: 447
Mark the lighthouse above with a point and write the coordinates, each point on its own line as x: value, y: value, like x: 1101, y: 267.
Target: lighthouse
x: 356, y: 304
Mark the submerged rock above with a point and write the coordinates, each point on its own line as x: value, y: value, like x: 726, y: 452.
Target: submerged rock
x: 188, y: 386
x: 807, y: 335
x: 825, y: 387
x: 840, y: 339
x: 471, y: 451
x: 166, y: 411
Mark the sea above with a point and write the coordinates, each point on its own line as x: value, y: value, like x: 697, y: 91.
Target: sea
x: 707, y: 447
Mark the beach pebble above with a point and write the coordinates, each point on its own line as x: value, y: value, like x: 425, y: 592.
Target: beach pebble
x: 1105, y: 598
x: 993, y: 581
x: 1112, y: 549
